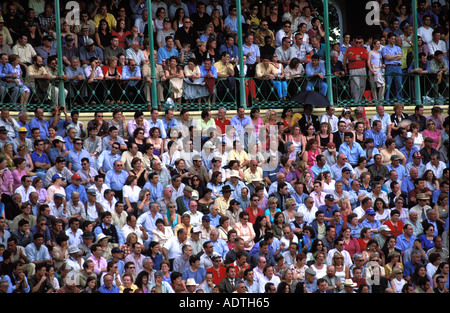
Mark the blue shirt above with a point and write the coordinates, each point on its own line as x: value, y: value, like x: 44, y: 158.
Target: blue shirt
x: 409, y: 157
x: 254, y: 49
x: 114, y: 289
x: 114, y: 180
x: 8, y: 70
x: 164, y: 54
x: 61, y: 125
x: 328, y: 213
x: 106, y: 160
x: 221, y: 247
x: 169, y: 124
x: 155, y: 192
x: 317, y: 170
x: 378, y: 138
x: 71, y: 72
x: 81, y: 189
x: 35, y: 157
x: 400, y: 169
x: 403, y: 244
x: 407, y: 185
x: 204, y: 71
x: 311, y: 70
x: 352, y: 153
x: 232, y: 23
x: 233, y: 51
x: 391, y: 51
x: 239, y: 124
x: 376, y: 224
x: 127, y: 73
x: 35, y: 123
x: 158, y: 124
x: 75, y: 158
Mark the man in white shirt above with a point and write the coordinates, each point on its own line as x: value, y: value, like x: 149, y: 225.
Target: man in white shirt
x: 329, y: 117
x: 437, y: 44
x: 268, y: 277
x: 426, y: 31
x: 435, y: 165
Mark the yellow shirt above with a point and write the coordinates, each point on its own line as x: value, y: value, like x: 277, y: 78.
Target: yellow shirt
x: 222, y: 68
x: 109, y: 18
x: 262, y: 70
x: 249, y: 176
x: 222, y: 204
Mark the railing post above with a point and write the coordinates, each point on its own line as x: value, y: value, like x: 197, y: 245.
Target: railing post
x: 153, y: 89
x: 416, y: 54
x: 59, y: 53
x: 242, y: 97
x: 326, y: 25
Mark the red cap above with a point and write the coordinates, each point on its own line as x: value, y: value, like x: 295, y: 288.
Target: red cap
x: 76, y: 176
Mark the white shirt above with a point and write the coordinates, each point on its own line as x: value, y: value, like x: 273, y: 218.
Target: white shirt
x: 173, y: 247
x: 308, y: 216
x: 426, y: 34
x: 433, y: 47
x: 333, y: 120
x: 264, y: 280
x: 436, y: 170
x: 25, y: 193
x: 126, y: 230
x: 345, y: 254
x: 196, y: 218
x: 131, y: 193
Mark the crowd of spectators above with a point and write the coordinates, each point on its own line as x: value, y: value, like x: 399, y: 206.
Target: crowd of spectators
x: 325, y: 203
x: 106, y: 55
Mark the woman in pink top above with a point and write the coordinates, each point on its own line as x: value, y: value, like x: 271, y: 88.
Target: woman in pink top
x: 20, y: 171
x: 432, y: 132
x: 311, y: 152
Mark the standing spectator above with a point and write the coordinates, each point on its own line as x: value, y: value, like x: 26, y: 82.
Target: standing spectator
x: 357, y: 56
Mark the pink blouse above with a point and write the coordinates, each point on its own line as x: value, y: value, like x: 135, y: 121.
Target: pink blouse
x: 435, y: 135
x: 17, y: 176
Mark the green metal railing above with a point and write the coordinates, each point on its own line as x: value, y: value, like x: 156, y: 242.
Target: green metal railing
x: 105, y: 95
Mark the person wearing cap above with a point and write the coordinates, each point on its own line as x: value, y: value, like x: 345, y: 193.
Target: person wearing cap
x: 46, y: 49
x: 70, y: 49
x: 329, y: 207
x: 371, y: 223
x: 58, y: 150
x: 76, y: 186
x: 397, y: 167
x: 21, y: 139
x: 60, y: 169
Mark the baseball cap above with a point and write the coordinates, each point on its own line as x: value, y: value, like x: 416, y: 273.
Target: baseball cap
x: 59, y: 138
x: 56, y: 176
x: 206, y: 218
x: 22, y: 130
x: 48, y: 38
x: 370, y: 212
x: 417, y: 155
x: 394, y: 157
x: 75, y: 176
x: 89, y: 42
x: 68, y: 38
x: 329, y: 197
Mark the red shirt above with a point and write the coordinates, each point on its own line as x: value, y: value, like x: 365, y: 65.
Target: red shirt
x: 218, y: 275
x: 395, y: 230
x: 222, y: 125
x: 252, y: 217
x: 352, y: 52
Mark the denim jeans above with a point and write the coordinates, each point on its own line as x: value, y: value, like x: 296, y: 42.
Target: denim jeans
x: 393, y: 79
